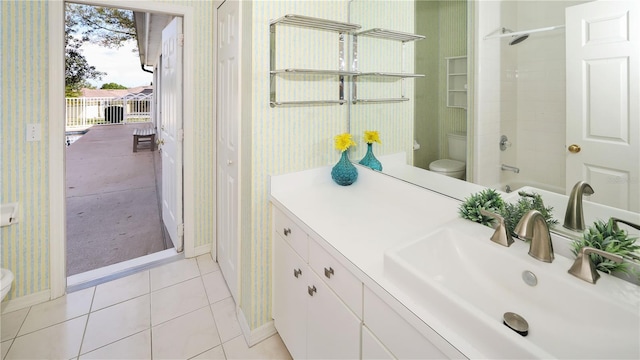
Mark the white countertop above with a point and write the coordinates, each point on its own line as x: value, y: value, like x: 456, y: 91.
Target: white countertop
x: 336, y: 212
x: 397, y: 213
x: 362, y: 221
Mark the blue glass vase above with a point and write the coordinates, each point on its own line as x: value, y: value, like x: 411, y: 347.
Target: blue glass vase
x: 344, y: 173
x: 369, y: 160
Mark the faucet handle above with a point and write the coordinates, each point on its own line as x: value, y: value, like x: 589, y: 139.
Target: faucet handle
x: 583, y: 267
x: 616, y: 221
x: 501, y: 235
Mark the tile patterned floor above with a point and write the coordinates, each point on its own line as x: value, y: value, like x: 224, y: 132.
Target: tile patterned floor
x: 181, y: 310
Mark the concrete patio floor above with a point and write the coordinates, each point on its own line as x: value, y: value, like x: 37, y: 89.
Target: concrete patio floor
x: 113, y: 207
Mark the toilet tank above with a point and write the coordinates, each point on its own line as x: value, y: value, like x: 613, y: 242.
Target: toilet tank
x: 457, y: 146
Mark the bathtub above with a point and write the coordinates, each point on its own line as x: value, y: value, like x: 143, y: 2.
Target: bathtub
x: 510, y: 186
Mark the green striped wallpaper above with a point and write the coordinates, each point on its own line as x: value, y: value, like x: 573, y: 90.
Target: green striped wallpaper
x: 453, y: 42
x: 286, y: 139
x: 393, y: 120
x: 24, y: 177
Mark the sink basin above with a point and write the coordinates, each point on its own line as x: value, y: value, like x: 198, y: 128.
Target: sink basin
x: 472, y: 282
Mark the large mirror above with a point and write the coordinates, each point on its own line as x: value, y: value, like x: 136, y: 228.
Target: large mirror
x: 502, y: 96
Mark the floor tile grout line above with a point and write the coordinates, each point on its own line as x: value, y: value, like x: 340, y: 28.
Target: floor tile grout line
x: 213, y: 315
x: 120, y: 302
x: 179, y: 316
x: 22, y: 323
x: 113, y: 342
x: 51, y: 325
x: 86, y: 324
x: 164, y: 287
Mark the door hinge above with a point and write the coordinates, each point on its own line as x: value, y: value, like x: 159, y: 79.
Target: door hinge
x: 180, y: 39
x: 180, y: 230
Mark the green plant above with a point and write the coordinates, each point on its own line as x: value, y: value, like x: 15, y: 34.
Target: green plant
x: 605, y: 236
x: 487, y: 199
x: 513, y: 212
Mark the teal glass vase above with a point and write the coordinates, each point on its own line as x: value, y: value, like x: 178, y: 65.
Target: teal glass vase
x: 369, y: 160
x: 344, y: 172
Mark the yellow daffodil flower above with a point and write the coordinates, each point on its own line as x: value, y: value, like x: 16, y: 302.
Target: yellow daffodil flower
x: 344, y: 141
x: 372, y: 136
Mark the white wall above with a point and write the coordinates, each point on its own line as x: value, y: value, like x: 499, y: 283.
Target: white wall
x: 521, y: 94
x: 486, y: 167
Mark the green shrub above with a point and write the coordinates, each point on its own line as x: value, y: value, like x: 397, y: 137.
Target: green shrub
x: 605, y: 236
x: 513, y: 212
x: 487, y: 199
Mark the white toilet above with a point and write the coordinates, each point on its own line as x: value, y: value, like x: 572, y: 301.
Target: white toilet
x: 455, y: 165
x: 6, y: 279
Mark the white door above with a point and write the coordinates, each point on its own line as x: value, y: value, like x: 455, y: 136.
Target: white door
x: 227, y: 118
x: 171, y: 131
x: 603, y: 99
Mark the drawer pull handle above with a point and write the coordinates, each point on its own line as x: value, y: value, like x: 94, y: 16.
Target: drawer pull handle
x: 328, y: 272
x: 311, y: 290
x: 287, y: 231
x: 297, y: 272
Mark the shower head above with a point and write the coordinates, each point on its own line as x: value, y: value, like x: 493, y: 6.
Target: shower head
x: 518, y: 39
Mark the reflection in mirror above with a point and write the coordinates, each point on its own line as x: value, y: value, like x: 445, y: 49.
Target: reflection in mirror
x: 440, y: 117
x: 518, y: 91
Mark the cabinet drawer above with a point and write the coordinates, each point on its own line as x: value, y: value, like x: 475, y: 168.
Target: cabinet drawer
x: 291, y: 233
x: 339, y: 279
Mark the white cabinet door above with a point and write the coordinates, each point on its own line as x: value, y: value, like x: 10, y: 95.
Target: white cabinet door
x: 333, y: 331
x: 290, y: 275
x: 372, y: 348
x: 402, y: 339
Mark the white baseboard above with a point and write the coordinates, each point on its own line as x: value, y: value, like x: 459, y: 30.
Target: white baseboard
x: 26, y: 301
x: 201, y: 250
x: 254, y: 336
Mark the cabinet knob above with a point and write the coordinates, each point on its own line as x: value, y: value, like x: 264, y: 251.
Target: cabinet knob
x: 328, y: 272
x: 297, y: 272
x: 311, y: 290
x: 287, y: 231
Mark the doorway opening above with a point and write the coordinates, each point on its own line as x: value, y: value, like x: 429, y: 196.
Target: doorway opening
x: 116, y: 206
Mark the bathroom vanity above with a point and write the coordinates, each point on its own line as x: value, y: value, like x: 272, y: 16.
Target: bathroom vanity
x: 386, y: 269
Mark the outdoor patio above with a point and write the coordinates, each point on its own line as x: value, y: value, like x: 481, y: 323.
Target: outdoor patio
x: 113, y: 199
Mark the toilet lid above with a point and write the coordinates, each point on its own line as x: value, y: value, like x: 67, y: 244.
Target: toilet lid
x: 447, y: 165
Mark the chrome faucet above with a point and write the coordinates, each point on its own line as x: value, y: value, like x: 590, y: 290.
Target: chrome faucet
x: 583, y: 267
x: 574, y: 217
x: 533, y: 227
x: 501, y: 235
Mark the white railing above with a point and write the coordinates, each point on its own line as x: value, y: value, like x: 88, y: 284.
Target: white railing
x: 86, y: 112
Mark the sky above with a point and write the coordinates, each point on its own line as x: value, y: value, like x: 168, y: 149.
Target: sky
x: 121, y: 65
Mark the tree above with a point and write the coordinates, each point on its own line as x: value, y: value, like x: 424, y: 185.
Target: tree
x: 112, y: 86
x: 83, y: 23
x: 108, y: 27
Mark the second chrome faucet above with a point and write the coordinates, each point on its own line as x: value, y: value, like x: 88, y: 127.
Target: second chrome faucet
x: 574, y: 217
x: 533, y: 227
